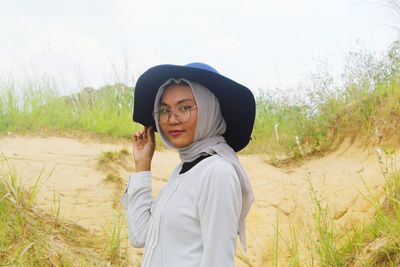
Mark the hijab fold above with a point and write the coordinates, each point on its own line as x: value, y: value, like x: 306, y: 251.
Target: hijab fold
x: 208, y: 139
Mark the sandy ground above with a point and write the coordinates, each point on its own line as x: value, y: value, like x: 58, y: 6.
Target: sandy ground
x: 282, y: 194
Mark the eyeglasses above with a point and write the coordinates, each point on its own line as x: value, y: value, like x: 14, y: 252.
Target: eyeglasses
x: 181, y: 114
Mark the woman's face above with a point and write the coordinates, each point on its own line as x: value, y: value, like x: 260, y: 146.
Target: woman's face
x: 180, y: 100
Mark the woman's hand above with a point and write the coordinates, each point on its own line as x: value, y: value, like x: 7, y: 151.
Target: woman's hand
x: 143, y: 146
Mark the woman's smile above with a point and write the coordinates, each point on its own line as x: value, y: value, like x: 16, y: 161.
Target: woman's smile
x: 176, y: 133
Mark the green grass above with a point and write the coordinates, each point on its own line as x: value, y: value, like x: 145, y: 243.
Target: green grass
x: 105, y: 112
x: 365, y: 106
x: 115, y: 253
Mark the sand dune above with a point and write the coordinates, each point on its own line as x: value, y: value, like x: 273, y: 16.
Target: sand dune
x: 281, y: 193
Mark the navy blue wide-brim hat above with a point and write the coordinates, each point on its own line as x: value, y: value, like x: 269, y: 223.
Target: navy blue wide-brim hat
x: 237, y: 101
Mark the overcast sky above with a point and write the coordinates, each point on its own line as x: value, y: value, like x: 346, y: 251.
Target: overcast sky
x: 259, y: 43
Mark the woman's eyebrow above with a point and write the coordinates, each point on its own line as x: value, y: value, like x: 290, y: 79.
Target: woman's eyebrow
x: 185, y: 100
x: 179, y: 102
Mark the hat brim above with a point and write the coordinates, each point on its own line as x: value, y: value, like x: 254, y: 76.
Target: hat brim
x: 237, y: 101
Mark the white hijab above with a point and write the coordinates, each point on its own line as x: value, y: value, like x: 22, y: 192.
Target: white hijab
x: 208, y: 139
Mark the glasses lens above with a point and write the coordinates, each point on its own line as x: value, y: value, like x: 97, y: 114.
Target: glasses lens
x: 181, y: 114
x: 158, y: 114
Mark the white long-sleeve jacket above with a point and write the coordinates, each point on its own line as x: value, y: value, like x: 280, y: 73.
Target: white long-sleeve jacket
x: 192, y: 222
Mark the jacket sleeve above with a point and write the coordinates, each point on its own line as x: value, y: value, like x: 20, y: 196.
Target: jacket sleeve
x: 137, y: 202
x: 219, y: 209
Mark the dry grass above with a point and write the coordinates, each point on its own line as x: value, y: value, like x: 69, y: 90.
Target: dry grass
x: 111, y: 162
x: 375, y: 243
x: 29, y: 237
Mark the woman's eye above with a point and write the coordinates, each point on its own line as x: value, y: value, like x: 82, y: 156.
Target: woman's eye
x: 184, y: 108
x: 163, y: 111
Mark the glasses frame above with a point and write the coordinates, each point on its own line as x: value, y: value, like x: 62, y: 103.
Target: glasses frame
x: 172, y: 111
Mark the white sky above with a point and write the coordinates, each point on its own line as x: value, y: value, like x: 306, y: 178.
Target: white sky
x: 260, y: 43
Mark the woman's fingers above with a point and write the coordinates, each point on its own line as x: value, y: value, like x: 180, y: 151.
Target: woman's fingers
x: 146, y: 134
x: 134, y: 137
x: 150, y: 134
x: 139, y: 135
x: 143, y: 147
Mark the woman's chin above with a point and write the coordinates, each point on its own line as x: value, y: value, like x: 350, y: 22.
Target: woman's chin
x: 180, y: 145
x: 180, y: 142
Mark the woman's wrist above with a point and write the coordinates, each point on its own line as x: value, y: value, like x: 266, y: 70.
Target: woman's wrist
x: 142, y: 166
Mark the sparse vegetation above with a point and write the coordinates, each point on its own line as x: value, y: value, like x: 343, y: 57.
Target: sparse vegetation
x: 111, y: 161
x: 113, y: 178
x: 115, y: 254
x: 375, y: 243
x: 29, y: 237
x: 365, y: 106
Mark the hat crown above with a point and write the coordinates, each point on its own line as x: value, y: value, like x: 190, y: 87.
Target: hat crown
x: 203, y: 66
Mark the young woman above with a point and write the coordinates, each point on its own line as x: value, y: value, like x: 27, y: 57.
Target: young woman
x: 196, y: 217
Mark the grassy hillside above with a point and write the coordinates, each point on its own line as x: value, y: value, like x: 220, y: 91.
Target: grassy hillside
x: 375, y: 243
x: 365, y: 106
x: 39, y: 107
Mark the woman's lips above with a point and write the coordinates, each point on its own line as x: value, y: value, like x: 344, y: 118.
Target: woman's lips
x: 175, y: 133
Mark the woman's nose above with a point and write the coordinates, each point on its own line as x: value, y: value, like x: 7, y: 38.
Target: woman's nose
x: 172, y: 118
